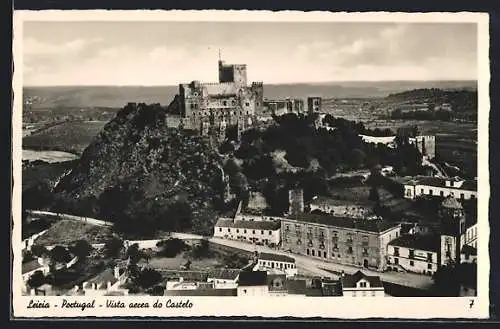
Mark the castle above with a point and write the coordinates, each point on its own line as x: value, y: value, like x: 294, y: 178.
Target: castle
x: 210, y: 108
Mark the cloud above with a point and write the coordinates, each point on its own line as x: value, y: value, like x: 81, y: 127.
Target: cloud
x: 33, y: 47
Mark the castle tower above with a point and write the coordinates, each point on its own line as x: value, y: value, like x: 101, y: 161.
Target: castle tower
x: 452, y: 230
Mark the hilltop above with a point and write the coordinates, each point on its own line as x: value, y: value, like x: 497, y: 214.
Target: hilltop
x: 143, y: 176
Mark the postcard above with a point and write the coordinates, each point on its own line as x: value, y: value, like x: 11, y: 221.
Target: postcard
x: 250, y: 163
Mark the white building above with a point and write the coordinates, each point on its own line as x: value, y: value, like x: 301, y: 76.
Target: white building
x: 361, y: 285
x: 268, y: 261
x: 253, y: 283
x: 106, y: 282
x: 224, y: 278
x: 443, y: 187
x: 389, y: 141
x: 262, y: 231
x: 414, y: 253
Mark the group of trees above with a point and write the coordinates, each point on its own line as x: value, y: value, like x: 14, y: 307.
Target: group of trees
x: 441, y: 115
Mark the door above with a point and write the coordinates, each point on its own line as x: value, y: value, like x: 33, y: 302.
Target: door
x: 365, y: 263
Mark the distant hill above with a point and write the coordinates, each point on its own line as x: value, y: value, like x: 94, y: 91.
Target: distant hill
x: 118, y: 96
x: 460, y: 100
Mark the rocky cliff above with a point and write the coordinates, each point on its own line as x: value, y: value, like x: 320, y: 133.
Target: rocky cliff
x: 144, y: 176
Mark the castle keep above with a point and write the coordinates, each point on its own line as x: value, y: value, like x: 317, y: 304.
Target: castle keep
x: 210, y: 108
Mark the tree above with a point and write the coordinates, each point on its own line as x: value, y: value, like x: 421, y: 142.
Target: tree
x: 60, y: 254
x: 357, y: 158
x: 38, y: 251
x: 113, y: 247
x: 446, y: 281
x: 81, y: 249
x: 148, y: 277
x: 134, y: 254
x: 36, y: 279
x: 171, y: 247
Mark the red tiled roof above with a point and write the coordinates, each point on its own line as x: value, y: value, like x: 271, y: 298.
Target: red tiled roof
x: 276, y: 257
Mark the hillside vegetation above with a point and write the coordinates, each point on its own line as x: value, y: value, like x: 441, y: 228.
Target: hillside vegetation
x: 144, y: 176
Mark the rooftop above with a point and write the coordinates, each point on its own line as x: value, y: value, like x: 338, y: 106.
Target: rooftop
x: 224, y: 274
x: 31, y: 266
x: 417, y: 241
x: 104, y: 277
x: 350, y: 281
x: 276, y: 257
x: 452, y: 203
x: 375, y: 226
x: 194, y: 276
x: 469, y: 185
x: 337, y: 202
x: 258, y: 225
x: 252, y: 278
x: 469, y: 250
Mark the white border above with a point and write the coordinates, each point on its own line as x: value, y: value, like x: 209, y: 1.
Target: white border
x: 335, y: 307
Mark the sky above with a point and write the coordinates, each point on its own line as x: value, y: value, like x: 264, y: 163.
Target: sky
x: 169, y: 53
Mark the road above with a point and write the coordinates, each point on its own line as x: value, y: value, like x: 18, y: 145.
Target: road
x: 305, y: 265
x: 318, y: 267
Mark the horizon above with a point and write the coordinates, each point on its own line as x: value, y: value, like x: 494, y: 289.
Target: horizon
x: 333, y: 83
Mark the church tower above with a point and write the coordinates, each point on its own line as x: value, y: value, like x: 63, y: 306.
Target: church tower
x: 453, y: 228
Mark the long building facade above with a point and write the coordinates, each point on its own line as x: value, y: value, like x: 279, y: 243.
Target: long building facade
x: 341, y: 240
x: 211, y: 107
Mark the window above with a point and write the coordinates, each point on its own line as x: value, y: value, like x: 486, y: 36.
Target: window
x: 412, y: 263
x: 224, y: 103
x: 237, y: 231
x: 431, y: 191
x: 253, y: 231
x: 307, y: 251
x: 262, y: 232
x: 441, y: 193
x: 312, y: 252
x: 335, y: 247
x: 324, y: 254
x: 429, y: 257
x: 220, y: 229
x: 244, y: 231
x: 461, y: 196
x: 396, y: 251
x: 247, y: 104
x: 365, y: 251
x: 429, y: 266
x: 229, y: 230
x: 421, y: 191
x: 349, y: 250
x: 396, y: 261
x: 362, y: 284
x: 411, y: 253
x: 472, y: 196
x: 270, y: 232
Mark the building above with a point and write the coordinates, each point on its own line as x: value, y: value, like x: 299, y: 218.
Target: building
x: 29, y: 268
x: 453, y: 230
x: 361, y: 285
x: 295, y: 201
x: 253, y: 283
x: 276, y: 285
x: 109, y: 280
x: 211, y: 107
x: 437, y: 186
x: 179, y: 287
x: 342, y: 208
x: 280, y: 262
x: 342, y: 240
x: 389, y: 141
x: 280, y: 107
x: 426, y: 145
x: 224, y: 278
x: 414, y: 253
x: 313, y: 105
x: 262, y: 231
